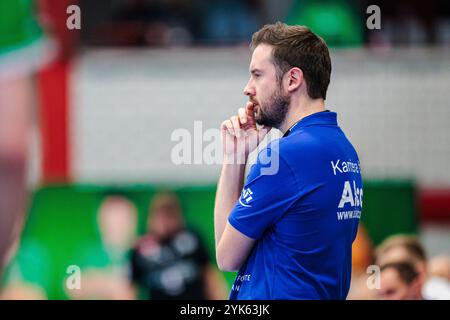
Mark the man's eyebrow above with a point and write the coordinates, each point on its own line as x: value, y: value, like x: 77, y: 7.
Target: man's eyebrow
x: 255, y: 70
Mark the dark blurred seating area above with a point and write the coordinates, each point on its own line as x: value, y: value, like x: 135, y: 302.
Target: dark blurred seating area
x: 342, y: 23
x: 169, y: 22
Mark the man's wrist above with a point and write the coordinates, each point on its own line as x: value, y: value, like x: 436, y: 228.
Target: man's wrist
x: 235, y: 159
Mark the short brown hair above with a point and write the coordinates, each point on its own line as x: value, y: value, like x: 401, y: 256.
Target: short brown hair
x: 297, y: 46
x: 409, y: 242
x: 166, y: 202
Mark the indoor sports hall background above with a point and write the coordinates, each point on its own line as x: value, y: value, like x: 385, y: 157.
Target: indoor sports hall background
x: 109, y: 107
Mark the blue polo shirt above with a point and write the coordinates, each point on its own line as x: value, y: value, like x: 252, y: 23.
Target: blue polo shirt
x: 302, y: 202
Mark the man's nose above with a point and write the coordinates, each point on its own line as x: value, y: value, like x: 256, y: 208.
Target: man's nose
x: 249, y: 90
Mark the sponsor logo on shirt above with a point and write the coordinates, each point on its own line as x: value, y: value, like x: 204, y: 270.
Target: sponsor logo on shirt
x: 345, y: 166
x: 246, y: 197
x: 351, y: 197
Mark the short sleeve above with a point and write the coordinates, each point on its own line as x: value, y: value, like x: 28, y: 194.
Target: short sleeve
x: 266, y: 196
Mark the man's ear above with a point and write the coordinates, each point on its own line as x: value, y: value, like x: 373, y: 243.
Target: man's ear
x: 294, y: 79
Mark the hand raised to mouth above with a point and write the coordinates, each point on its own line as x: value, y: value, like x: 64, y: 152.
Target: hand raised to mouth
x: 247, y: 116
x: 240, y: 135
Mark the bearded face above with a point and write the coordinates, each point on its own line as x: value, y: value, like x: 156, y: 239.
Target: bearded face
x: 272, y: 111
x: 265, y: 89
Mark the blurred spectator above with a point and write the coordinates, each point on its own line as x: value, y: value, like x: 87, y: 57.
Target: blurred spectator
x: 403, y: 248
x: 170, y: 261
x: 23, y: 50
x: 105, y: 266
x: 29, y: 273
x: 400, y: 281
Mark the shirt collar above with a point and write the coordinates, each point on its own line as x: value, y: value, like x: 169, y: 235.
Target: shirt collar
x: 325, y: 117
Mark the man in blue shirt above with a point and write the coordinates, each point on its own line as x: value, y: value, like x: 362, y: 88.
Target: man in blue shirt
x: 289, y: 229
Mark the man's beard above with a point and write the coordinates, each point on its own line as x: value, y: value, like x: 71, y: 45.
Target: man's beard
x: 274, y: 110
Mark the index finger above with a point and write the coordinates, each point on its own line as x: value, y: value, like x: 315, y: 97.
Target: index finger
x: 242, y: 115
x: 250, y: 107
x: 250, y: 110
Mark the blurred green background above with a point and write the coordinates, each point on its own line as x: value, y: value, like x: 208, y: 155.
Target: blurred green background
x: 62, y: 222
